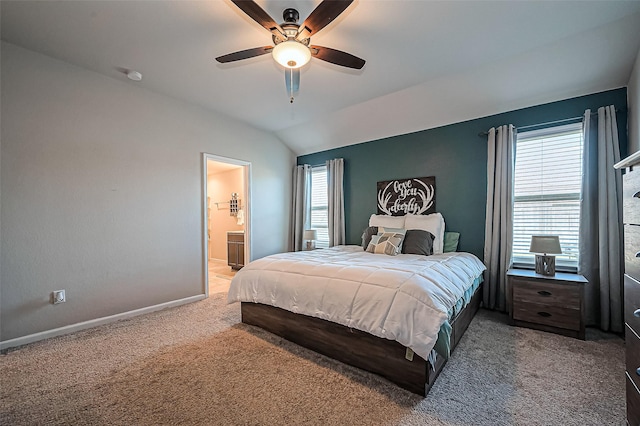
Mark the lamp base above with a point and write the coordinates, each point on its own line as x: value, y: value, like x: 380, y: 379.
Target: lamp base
x: 311, y: 245
x: 545, y: 265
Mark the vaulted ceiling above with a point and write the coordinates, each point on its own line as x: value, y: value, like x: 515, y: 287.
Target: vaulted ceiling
x: 429, y: 63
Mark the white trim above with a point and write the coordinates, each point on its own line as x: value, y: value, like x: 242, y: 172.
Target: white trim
x: 246, y: 165
x: 67, y: 329
x: 247, y: 213
x: 547, y: 131
x: 631, y: 160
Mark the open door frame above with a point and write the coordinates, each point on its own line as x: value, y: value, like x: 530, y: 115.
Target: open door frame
x: 247, y: 212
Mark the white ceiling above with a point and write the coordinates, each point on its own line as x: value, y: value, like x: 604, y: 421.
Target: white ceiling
x: 429, y: 63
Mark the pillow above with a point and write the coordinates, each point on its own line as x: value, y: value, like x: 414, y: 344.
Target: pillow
x: 386, y: 221
x: 387, y: 241
x: 367, y: 234
x: 383, y: 229
x: 433, y: 223
x: 417, y: 241
x: 450, y: 242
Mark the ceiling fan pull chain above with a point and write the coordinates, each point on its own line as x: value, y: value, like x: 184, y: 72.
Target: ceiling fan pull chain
x: 291, y: 86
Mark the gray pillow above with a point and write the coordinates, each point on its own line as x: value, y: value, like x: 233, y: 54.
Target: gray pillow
x: 417, y: 241
x: 367, y: 234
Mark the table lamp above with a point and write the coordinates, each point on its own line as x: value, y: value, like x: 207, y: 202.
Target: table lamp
x: 310, y: 236
x: 547, y: 245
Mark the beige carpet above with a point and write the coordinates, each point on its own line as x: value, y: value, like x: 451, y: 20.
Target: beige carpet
x: 196, y: 365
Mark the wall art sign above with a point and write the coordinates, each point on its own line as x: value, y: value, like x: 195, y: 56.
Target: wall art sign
x: 407, y: 196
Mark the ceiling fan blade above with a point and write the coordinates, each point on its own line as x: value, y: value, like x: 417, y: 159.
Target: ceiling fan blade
x: 337, y: 57
x: 256, y: 13
x: 244, y: 54
x: 322, y: 16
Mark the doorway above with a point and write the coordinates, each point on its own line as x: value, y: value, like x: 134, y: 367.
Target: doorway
x: 226, y: 214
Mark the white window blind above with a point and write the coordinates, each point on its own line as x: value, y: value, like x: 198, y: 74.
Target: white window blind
x: 320, y: 205
x: 547, y: 184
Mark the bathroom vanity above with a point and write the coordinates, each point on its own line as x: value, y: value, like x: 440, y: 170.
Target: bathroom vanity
x: 235, y: 249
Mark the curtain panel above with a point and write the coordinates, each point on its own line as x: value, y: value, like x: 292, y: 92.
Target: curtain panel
x: 499, y: 215
x: 335, y: 186
x: 601, y: 240
x: 301, y: 210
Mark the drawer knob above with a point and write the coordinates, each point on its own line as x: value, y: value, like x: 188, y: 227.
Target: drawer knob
x: 547, y: 314
x: 636, y: 313
x: 638, y: 371
x: 544, y: 293
x: 637, y: 194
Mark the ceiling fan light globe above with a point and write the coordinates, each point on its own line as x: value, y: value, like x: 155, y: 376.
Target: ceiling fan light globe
x: 291, y: 54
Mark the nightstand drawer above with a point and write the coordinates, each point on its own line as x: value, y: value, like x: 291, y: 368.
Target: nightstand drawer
x: 631, y: 204
x: 632, y: 303
x: 553, y: 303
x: 554, y: 316
x: 546, y: 294
x: 633, y: 355
x: 632, y: 250
x: 633, y: 403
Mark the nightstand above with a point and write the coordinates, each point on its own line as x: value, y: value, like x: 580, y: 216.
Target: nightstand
x: 548, y: 303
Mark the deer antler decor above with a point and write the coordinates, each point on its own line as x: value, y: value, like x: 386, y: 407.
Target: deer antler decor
x: 407, y: 196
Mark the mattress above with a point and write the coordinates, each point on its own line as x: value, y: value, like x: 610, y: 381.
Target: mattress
x: 406, y: 298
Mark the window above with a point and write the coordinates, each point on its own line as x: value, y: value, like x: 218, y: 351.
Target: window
x: 547, y: 184
x: 320, y: 205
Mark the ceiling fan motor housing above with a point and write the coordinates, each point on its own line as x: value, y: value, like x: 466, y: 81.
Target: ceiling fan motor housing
x: 290, y: 26
x: 290, y: 16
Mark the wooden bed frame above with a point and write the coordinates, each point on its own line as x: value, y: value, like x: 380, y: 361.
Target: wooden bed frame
x: 384, y: 357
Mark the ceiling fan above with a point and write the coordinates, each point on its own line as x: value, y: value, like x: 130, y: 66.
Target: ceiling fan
x: 292, y: 42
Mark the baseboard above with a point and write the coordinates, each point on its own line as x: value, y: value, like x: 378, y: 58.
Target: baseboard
x: 19, y: 341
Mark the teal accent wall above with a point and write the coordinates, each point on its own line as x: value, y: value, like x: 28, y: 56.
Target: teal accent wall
x: 456, y: 156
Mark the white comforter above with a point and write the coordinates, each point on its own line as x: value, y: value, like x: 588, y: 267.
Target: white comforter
x: 404, y: 298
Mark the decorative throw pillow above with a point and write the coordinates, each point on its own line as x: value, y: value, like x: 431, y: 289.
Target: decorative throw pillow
x: 388, y: 241
x: 450, y: 241
x: 417, y: 241
x: 367, y: 234
x: 385, y: 229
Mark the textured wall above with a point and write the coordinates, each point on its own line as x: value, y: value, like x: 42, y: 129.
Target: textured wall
x: 455, y: 155
x: 102, y: 193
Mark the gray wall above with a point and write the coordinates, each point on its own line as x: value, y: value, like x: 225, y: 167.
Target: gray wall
x: 101, y: 187
x: 634, y: 107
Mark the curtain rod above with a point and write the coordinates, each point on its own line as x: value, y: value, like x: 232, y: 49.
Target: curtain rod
x: 481, y: 134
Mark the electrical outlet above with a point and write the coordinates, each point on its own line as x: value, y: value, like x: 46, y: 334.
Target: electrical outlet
x: 58, y: 296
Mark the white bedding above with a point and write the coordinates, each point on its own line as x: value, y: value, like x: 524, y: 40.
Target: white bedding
x: 404, y: 298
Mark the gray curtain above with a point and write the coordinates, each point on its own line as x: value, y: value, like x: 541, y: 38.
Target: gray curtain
x: 601, y: 248
x: 335, y: 174
x: 301, y: 211
x: 499, y: 215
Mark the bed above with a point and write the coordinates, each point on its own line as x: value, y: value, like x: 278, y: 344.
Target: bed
x: 397, y: 316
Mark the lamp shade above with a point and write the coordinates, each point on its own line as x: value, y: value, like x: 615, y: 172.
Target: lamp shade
x: 291, y: 54
x: 546, y: 244
x: 310, y: 234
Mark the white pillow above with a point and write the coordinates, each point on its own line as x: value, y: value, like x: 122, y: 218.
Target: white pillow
x: 433, y: 223
x: 386, y: 221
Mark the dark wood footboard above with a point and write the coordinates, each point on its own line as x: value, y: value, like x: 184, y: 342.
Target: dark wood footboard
x: 384, y: 357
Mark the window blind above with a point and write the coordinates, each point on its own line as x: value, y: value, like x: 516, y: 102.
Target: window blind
x: 547, y: 185
x: 320, y: 205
